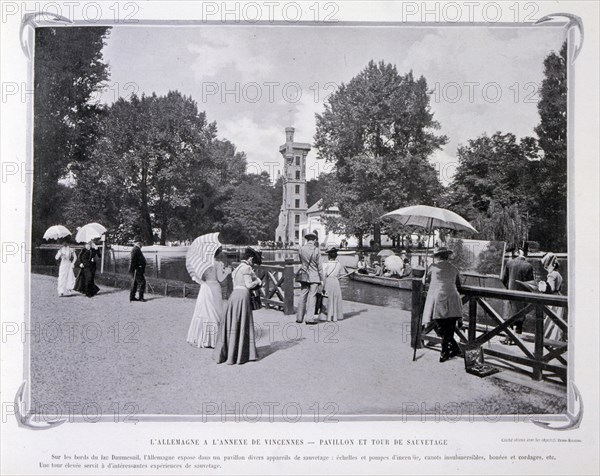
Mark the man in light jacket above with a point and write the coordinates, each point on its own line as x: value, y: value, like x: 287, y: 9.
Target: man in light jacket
x: 310, y: 260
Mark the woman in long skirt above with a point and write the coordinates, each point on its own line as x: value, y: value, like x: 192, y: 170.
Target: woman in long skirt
x: 236, y: 343
x: 66, y: 278
x: 209, y: 307
x: 333, y: 269
x: 86, y: 262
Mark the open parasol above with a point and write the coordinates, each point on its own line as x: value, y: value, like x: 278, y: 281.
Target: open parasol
x: 56, y: 232
x: 429, y: 218
x: 89, y: 232
x: 201, y: 255
x: 385, y: 253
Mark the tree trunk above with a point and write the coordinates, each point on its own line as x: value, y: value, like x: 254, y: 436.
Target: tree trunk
x: 377, y: 233
x: 146, y: 221
x: 360, y: 241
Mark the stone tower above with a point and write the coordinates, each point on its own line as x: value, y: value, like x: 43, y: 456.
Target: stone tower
x: 294, y: 206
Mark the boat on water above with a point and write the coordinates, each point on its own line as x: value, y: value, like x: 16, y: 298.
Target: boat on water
x: 398, y: 283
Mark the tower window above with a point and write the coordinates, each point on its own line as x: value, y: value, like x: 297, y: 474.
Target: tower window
x: 297, y: 204
x: 297, y: 189
x: 298, y: 160
x: 297, y: 234
x: 297, y: 175
x: 297, y: 219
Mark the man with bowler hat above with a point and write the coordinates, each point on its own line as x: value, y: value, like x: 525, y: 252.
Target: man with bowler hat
x: 312, y: 271
x: 137, y: 267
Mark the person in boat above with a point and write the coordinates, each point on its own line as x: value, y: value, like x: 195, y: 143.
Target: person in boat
x: 361, y: 266
x: 443, y: 303
x: 378, y: 270
x: 407, y: 269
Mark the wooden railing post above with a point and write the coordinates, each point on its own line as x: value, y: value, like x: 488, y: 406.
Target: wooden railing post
x: 416, y: 311
x: 538, y: 351
x: 472, y: 335
x: 288, y: 287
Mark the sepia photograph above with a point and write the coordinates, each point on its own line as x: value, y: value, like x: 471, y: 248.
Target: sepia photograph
x: 303, y: 222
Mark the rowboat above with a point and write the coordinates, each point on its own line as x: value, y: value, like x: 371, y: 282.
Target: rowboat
x: 398, y: 283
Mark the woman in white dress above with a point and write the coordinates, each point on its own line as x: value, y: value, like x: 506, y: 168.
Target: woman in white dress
x: 66, y: 277
x: 209, y: 306
x: 333, y: 270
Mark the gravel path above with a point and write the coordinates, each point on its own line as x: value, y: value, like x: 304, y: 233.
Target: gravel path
x: 108, y: 352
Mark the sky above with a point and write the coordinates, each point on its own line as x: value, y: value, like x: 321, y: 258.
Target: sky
x: 256, y: 80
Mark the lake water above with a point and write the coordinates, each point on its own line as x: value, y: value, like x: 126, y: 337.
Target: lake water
x: 172, y: 266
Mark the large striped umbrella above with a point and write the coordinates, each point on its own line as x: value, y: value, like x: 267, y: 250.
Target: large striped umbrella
x: 201, y: 255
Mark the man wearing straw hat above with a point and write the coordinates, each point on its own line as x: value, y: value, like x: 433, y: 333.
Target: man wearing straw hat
x: 310, y: 277
x: 137, y: 267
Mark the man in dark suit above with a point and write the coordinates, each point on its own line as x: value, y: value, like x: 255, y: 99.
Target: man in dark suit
x: 516, y: 269
x: 310, y: 260
x: 137, y: 267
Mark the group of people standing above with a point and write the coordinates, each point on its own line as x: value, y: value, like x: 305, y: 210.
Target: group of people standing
x: 318, y: 280
x: 85, y: 264
x: 444, y: 305
x: 230, y: 332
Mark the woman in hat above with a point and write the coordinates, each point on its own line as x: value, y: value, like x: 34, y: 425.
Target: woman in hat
x: 333, y: 270
x: 66, y: 278
x: 86, y: 262
x: 443, y: 303
x: 209, y: 306
x: 236, y: 343
x: 552, y: 285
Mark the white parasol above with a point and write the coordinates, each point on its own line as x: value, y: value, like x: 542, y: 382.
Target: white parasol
x: 201, y: 255
x: 56, y: 232
x: 89, y: 232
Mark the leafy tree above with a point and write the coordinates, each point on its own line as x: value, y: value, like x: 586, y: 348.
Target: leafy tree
x: 493, y: 185
x: 250, y: 214
x: 155, y: 156
x: 378, y: 131
x: 550, y: 211
x: 69, y: 69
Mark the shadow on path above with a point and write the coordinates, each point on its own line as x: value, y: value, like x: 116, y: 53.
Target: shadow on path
x: 265, y: 351
x: 349, y: 315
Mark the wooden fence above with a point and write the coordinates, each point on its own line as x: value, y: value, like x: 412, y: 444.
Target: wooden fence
x: 546, y: 356
x: 277, y: 285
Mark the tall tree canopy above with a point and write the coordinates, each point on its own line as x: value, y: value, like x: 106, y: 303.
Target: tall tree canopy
x: 492, y: 186
x: 379, y: 132
x: 550, y: 226
x: 69, y: 69
x: 159, y: 164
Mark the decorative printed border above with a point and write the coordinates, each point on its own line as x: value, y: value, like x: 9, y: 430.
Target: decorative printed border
x: 574, y: 414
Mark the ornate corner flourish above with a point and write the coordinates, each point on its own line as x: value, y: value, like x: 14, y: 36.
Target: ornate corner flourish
x: 574, y: 22
x: 574, y: 419
x: 31, y: 20
x: 24, y: 417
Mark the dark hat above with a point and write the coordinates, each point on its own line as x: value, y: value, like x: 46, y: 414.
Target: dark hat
x: 331, y: 249
x: 310, y: 236
x: 403, y: 252
x: 442, y: 250
x: 137, y: 239
x: 256, y: 253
